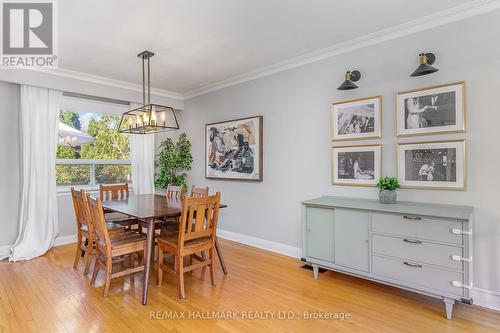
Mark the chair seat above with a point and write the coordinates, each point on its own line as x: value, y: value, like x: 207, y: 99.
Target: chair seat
x: 173, y: 237
x: 121, y: 219
x: 124, y: 240
x: 112, y: 227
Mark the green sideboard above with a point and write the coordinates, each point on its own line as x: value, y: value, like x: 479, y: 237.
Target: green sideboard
x: 425, y: 248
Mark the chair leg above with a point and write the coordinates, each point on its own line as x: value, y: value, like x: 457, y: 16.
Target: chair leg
x: 96, y: 270
x: 180, y: 276
x: 88, y: 256
x: 78, y: 252
x: 211, y: 255
x: 160, y: 266
x: 109, y: 266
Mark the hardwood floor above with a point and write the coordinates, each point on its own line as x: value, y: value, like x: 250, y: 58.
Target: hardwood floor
x: 48, y: 295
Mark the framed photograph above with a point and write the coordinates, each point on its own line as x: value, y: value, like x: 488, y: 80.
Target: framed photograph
x: 356, y: 165
x: 233, y: 149
x: 433, y: 165
x: 357, y: 119
x: 435, y: 110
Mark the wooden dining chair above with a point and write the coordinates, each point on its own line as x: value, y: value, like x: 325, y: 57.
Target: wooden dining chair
x: 174, y: 192
x: 197, y: 232
x: 197, y: 192
x: 109, y: 249
x: 85, y: 230
x: 120, y: 191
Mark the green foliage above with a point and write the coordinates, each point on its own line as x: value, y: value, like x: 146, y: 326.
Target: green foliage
x: 67, y: 152
x: 171, y: 162
x: 70, y: 118
x: 108, y: 144
x: 388, y: 183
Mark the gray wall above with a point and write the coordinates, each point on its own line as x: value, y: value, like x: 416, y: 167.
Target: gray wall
x: 9, y: 162
x: 296, y: 109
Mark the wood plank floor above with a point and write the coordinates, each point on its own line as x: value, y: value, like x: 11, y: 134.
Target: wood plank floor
x: 48, y: 295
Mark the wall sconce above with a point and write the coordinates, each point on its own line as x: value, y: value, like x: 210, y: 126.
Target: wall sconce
x: 426, y: 60
x: 350, y: 78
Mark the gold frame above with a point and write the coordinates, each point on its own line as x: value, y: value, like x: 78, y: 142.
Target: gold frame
x: 464, y: 110
x: 464, y: 144
x: 379, y: 97
x: 261, y: 150
x: 353, y: 146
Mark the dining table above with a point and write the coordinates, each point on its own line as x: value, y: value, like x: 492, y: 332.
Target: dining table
x: 150, y: 208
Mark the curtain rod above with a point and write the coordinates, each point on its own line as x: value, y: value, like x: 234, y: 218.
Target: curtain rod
x: 95, y: 98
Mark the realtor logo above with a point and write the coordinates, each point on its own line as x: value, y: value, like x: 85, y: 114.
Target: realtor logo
x: 28, y: 34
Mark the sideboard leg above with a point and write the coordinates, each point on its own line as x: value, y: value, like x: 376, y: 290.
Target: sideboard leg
x: 448, y: 302
x: 315, y: 271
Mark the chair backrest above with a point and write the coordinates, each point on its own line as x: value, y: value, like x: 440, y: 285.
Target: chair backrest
x: 199, y: 218
x: 79, y: 205
x: 198, y: 192
x: 107, y: 192
x: 174, y: 192
x: 96, y: 214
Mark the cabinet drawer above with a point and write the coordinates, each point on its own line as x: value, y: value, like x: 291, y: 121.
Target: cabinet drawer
x: 424, y: 276
x: 416, y: 250
x: 417, y: 227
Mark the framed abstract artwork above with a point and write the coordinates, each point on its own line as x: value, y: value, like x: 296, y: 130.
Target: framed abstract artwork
x: 432, y: 165
x: 434, y: 110
x: 233, y: 149
x: 356, y: 165
x: 357, y: 119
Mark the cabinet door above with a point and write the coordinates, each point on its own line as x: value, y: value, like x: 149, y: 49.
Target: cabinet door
x: 319, y: 233
x: 351, y: 239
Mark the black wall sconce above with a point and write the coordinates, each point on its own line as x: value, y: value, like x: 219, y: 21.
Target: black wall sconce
x: 350, y: 78
x: 426, y: 60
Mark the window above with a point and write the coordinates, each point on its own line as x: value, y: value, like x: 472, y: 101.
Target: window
x: 93, y: 152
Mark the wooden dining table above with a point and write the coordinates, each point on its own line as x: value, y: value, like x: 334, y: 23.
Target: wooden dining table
x: 149, y: 208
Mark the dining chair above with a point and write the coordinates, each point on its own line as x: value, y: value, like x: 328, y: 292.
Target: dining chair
x: 85, y: 230
x: 120, y: 191
x: 174, y: 192
x: 197, y: 232
x: 109, y: 249
x: 197, y: 192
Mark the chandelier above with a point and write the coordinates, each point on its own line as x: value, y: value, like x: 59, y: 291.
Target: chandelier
x: 149, y: 118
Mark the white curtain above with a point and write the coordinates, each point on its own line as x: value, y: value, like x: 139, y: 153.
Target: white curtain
x: 142, y: 156
x: 38, y: 217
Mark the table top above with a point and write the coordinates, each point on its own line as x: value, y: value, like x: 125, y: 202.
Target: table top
x: 146, y: 206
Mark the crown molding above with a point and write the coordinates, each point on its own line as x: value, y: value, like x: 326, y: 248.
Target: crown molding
x: 66, y: 73
x: 470, y: 9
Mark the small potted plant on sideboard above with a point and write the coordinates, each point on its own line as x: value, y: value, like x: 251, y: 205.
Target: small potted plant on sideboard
x: 388, y: 187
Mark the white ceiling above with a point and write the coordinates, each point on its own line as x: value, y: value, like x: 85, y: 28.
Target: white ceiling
x: 200, y: 42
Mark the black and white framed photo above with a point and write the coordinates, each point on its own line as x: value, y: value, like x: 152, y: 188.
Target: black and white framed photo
x: 233, y: 149
x: 357, y: 119
x: 356, y: 165
x: 432, y: 165
x: 434, y: 110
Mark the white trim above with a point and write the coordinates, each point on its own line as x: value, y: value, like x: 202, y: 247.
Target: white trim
x: 63, y: 240
x: 67, y: 73
x: 260, y: 243
x: 486, y: 298
x: 470, y: 9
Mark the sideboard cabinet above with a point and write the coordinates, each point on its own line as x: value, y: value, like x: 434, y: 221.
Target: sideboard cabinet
x: 425, y: 248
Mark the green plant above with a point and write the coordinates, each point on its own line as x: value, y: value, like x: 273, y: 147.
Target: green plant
x: 172, y: 161
x: 388, y: 183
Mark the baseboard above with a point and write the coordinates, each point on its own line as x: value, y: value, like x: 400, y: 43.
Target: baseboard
x: 63, y: 240
x: 4, y: 251
x: 260, y: 243
x: 486, y: 298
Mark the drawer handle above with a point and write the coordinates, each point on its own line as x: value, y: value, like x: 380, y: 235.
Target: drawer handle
x: 412, y: 241
x: 457, y: 231
x: 414, y: 218
x: 412, y: 265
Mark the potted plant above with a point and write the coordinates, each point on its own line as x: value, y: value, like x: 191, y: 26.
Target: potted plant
x: 388, y: 187
x: 172, y: 161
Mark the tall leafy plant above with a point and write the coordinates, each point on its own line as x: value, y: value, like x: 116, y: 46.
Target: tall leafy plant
x: 172, y: 162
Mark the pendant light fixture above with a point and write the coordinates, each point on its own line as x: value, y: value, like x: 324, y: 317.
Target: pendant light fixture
x: 426, y: 60
x: 149, y: 118
x: 350, y: 78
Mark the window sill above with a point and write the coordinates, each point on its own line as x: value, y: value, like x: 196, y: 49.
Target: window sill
x: 66, y: 190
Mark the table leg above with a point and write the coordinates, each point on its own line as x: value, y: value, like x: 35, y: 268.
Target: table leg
x: 149, y: 251
x: 219, y: 254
